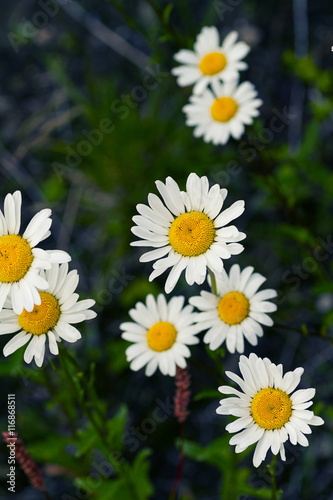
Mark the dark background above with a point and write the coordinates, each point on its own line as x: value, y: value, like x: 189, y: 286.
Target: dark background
x: 62, y: 74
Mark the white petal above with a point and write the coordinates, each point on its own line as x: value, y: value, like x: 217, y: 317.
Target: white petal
x: 262, y: 448
x: 175, y: 274
x: 16, y: 342
x: 30, y: 350
x: 53, y: 345
x: 302, y: 395
x: 4, y: 291
x: 35, y: 222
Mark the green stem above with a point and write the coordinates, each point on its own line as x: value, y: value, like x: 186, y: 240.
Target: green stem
x: 85, y: 407
x: 322, y: 334
x: 47, y: 495
x: 88, y: 409
x: 213, y: 280
x: 91, y: 393
x: 175, y: 489
x: 207, y: 369
x: 272, y: 471
x: 166, y: 25
x: 67, y: 412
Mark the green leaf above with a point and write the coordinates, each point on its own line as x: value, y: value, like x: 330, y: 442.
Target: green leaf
x: 116, y: 352
x: 209, y: 394
x: 216, y: 453
x: 139, y: 473
x: 87, y: 439
x: 107, y: 489
x: 221, y: 455
x: 216, y: 355
x: 115, y: 428
x: 328, y: 318
x: 52, y: 450
x: 134, y: 482
x: 300, y: 234
x: 167, y: 12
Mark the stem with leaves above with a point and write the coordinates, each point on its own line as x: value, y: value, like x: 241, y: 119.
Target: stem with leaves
x: 88, y: 401
x: 175, y: 489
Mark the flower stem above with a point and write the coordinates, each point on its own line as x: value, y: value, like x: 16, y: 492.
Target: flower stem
x: 322, y: 333
x: 47, y: 495
x: 90, y: 391
x: 208, y: 369
x: 272, y: 471
x: 213, y: 282
x: 165, y: 23
x: 175, y: 489
x: 91, y: 410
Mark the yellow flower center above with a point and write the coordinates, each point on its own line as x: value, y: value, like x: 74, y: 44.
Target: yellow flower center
x: 212, y: 63
x: 42, y: 318
x: 161, y: 336
x: 223, y: 109
x: 271, y: 408
x: 191, y: 233
x: 233, y: 308
x: 15, y: 258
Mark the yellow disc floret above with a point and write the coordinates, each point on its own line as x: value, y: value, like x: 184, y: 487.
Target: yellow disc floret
x: 42, y: 318
x: 15, y: 258
x: 233, y: 308
x: 161, y: 336
x: 191, y: 234
x: 271, y: 408
x: 223, y: 109
x: 212, y: 63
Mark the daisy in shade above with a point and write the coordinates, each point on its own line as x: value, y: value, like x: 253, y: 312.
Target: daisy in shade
x: 20, y: 260
x: 51, y: 320
x: 161, y: 332
x: 210, y: 61
x: 188, y: 231
x: 236, y: 310
x: 268, y: 410
x: 222, y: 112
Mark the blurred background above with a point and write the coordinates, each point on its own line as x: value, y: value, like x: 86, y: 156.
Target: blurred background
x: 90, y: 118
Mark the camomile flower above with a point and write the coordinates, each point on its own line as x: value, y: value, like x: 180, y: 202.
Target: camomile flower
x: 188, y: 231
x: 210, y: 62
x: 222, y: 112
x: 51, y: 320
x: 20, y: 260
x: 236, y: 310
x: 268, y: 410
x: 160, y: 333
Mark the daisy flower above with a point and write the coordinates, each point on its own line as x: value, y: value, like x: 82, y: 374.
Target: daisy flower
x: 210, y: 62
x: 51, y: 320
x: 269, y: 411
x: 236, y: 310
x: 222, y: 112
x: 161, y: 332
x: 20, y: 260
x: 189, y: 230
